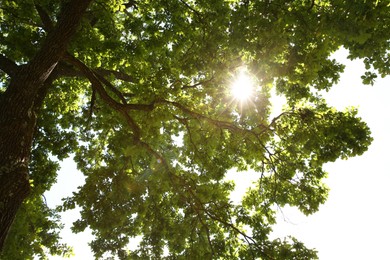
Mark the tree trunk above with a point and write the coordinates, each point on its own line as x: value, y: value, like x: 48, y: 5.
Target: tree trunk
x: 17, y: 115
x: 15, y: 142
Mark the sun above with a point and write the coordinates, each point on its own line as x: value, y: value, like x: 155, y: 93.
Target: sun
x: 242, y: 87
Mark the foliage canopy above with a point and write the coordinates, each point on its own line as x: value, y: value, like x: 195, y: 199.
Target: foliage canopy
x: 141, y: 98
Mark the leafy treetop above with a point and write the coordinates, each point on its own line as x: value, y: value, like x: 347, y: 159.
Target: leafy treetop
x: 142, y: 100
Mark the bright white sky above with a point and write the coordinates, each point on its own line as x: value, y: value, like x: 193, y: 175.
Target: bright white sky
x: 353, y: 223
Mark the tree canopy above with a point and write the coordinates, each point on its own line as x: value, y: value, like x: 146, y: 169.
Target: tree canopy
x: 139, y: 92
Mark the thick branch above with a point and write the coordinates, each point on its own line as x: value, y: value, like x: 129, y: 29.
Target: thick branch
x: 69, y: 71
x: 98, y: 81
x: 8, y: 66
x: 56, y: 43
x: 98, y: 86
x: 45, y: 18
x: 111, y: 87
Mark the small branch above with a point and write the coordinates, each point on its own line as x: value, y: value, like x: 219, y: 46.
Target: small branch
x: 198, y: 84
x: 313, y: 3
x: 117, y: 74
x: 191, y: 8
x: 93, y: 98
x: 206, y: 228
x: 247, y: 238
x: 273, y: 121
x: 184, y: 122
x: 131, y: 4
x: 44, y: 199
x: 221, y: 124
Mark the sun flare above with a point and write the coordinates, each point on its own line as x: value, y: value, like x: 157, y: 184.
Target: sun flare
x: 242, y: 87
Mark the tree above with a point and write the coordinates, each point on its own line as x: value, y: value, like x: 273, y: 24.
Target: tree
x: 139, y: 93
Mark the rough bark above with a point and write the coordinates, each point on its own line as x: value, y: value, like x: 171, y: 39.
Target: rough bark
x: 17, y: 111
